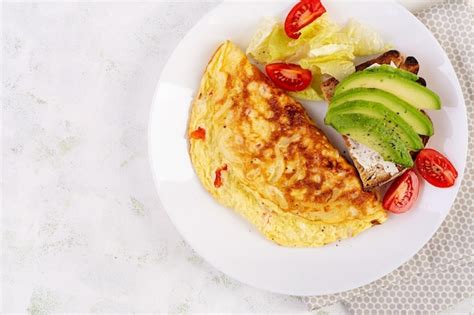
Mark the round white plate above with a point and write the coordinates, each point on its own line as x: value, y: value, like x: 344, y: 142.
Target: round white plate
x: 231, y: 244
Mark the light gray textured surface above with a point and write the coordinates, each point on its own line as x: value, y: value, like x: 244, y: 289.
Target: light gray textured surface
x: 82, y: 230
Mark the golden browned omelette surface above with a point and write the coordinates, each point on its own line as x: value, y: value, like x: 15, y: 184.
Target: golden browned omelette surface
x: 255, y: 150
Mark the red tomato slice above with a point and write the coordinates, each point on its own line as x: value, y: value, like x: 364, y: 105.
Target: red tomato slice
x: 403, y: 192
x: 303, y: 13
x: 218, y: 178
x: 199, y: 133
x: 288, y: 76
x: 436, y: 168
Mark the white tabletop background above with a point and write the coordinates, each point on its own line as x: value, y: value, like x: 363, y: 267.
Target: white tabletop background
x: 82, y: 228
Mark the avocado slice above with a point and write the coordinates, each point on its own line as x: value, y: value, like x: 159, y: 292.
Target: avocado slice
x: 409, y: 91
x: 372, y: 133
x: 393, y: 123
x: 389, y: 69
x: 420, y: 123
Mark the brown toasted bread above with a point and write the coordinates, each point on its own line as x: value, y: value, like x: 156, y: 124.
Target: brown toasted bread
x: 391, y: 56
x: 373, y: 170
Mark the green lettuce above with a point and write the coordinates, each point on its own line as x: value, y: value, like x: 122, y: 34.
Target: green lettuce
x: 270, y: 43
x: 366, y: 41
x: 323, y: 47
x: 336, y: 60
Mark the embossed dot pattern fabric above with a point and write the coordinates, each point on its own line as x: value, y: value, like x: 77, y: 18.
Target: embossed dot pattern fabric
x: 441, y: 274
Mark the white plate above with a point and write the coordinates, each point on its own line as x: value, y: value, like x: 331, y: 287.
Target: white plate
x: 231, y: 244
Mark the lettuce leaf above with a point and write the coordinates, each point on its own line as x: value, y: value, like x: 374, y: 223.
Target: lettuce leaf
x: 339, y: 68
x: 309, y: 94
x: 333, y: 51
x: 366, y: 41
x: 318, y: 30
x: 270, y: 43
x: 323, y: 47
x: 336, y: 60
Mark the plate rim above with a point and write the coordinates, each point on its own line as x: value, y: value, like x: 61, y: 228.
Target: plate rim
x: 151, y: 157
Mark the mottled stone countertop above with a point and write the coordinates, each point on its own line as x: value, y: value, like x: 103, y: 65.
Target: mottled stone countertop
x: 82, y: 230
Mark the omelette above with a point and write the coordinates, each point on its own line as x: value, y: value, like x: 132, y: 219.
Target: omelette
x: 255, y: 150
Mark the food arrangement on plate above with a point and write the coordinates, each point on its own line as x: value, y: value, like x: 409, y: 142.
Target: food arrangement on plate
x: 255, y: 149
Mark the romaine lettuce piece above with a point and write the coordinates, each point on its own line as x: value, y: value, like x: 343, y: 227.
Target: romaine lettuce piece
x: 336, y: 60
x: 270, y: 43
x: 334, y: 51
x: 318, y: 30
x: 309, y: 94
x: 366, y: 41
x: 340, y: 69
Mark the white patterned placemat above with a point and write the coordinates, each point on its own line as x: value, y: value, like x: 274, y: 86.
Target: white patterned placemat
x: 441, y: 274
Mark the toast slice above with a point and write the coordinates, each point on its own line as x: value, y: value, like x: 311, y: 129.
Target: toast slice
x: 373, y: 170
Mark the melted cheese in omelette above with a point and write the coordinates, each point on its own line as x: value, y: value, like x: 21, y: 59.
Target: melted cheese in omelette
x: 255, y: 150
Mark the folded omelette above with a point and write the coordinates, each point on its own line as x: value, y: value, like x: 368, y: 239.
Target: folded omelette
x: 255, y: 150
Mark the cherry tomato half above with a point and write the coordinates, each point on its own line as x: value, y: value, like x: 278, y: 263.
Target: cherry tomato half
x: 435, y: 168
x: 403, y: 192
x: 303, y: 13
x: 288, y: 76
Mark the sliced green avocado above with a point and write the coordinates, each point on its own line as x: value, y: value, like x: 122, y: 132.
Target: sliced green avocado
x: 389, y: 69
x: 409, y: 91
x: 412, y: 116
x: 393, y: 123
x: 371, y: 132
